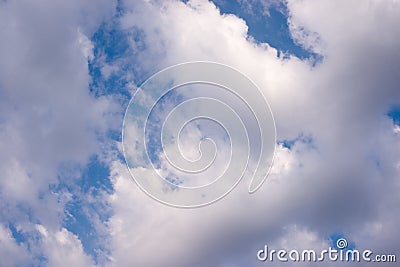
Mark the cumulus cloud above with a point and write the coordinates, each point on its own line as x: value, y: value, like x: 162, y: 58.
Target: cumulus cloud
x: 48, y: 119
x: 10, y: 252
x: 62, y: 248
x: 340, y: 172
x: 337, y: 161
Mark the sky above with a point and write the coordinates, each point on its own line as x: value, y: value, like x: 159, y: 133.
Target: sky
x: 329, y: 71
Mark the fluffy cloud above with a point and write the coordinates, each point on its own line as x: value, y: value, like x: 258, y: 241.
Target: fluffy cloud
x: 340, y: 175
x: 48, y: 119
x: 10, y: 252
x: 62, y: 248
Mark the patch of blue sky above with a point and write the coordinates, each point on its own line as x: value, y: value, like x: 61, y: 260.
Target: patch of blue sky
x: 154, y: 123
x: 333, y: 239
x: 112, y: 47
x: 30, y: 241
x: 394, y: 114
x: 175, y: 181
x: 95, y: 177
x: 113, y: 69
x: 303, y: 138
x: 80, y: 222
x: 17, y: 234
x: 287, y: 143
x: 87, y: 206
x: 40, y: 260
x: 173, y: 184
x: 267, y: 26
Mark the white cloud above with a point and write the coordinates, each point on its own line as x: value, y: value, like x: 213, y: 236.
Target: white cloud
x: 346, y: 179
x: 12, y: 254
x: 339, y: 182
x: 62, y: 248
x: 86, y: 46
x: 48, y: 119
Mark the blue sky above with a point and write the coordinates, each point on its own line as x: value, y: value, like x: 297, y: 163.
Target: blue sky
x: 66, y: 194
x: 267, y: 24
